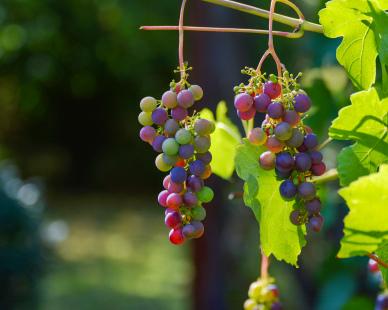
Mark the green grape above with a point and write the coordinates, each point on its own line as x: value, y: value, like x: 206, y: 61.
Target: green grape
x: 197, y: 92
x: 145, y: 118
x: 170, y: 159
x: 250, y: 304
x: 203, y: 127
x: 198, y: 213
x: 160, y: 164
x: 170, y: 146
x: 183, y: 136
x: 148, y: 104
x: 206, y: 194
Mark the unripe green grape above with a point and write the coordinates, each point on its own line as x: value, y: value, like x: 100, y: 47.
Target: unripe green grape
x: 202, y: 144
x: 255, y: 290
x: 198, y: 213
x: 197, y: 92
x: 170, y: 146
x: 250, y: 304
x: 283, y: 131
x: 145, y: 118
x: 183, y: 136
x: 160, y: 164
x: 206, y: 194
x: 257, y: 136
x: 148, y: 104
x: 170, y: 159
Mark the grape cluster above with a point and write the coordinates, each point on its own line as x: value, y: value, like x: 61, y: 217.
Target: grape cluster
x: 291, y: 145
x: 263, y: 295
x: 382, y: 301
x: 183, y: 143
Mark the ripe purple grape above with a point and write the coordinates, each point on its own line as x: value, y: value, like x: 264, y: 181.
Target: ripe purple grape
x: 273, y: 90
x: 288, y: 190
x: 247, y: 115
x: 316, y: 157
x: 202, y: 144
x: 206, y: 158
x: 313, y: 206
x: 147, y: 134
x: 173, y: 220
x: 169, y: 99
x: 296, y: 139
x: 185, y: 99
x: 159, y: 116
x: 267, y: 160
x: 296, y: 217
x: 275, y: 110
x: 194, y: 183
x: 171, y: 127
x: 318, y: 169
x: 262, y: 102
x: 157, y: 143
x: 175, y: 187
x: 274, y: 145
x: 291, y: 117
x: 178, y: 174
x: 197, y: 168
x: 174, y: 201
x: 190, y: 199
x: 311, y: 141
x: 284, y: 161
x: 193, y: 230
x: 282, y: 174
x: 315, y: 223
x: 302, y: 162
x: 186, y: 151
x: 243, y: 102
x: 179, y: 114
x: 306, y: 190
x: 162, y: 198
x: 283, y: 131
x: 302, y: 103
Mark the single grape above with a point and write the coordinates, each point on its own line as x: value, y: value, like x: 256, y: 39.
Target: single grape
x: 198, y: 213
x: 194, y: 183
x: 179, y: 113
x: 183, y: 136
x: 296, y: 217
x: 275, y: 110
x: 169, y: 99
x: 173, y: 220
x: 288, y: 190
x: 197, y: 168
x: 193, y: 230
x: 166, y: 181
x: 302, y: 162
x: 255, y: 290
x: 267, y: 160
x: 291, y: 117
x: 316, y: 157
x: 170, y: 146
x: 162, y: 198
x: 202, y: 144
x: 313, y: 206
x: 176, y: 236
x: 296, y: 139
x: 283, y: 131
x: 186, y: 151
x: 171, y: 127
x: 257, y: 136
x: 147, y: 134
x: 247, y: 115
x: 145, y: 119
x: 175, y: 187
x: 157, y: 143
x: 148, y: 104
x: 190, y: 199
x: 160, y: 164
x: 315, y: 223
x: 284, y: 161
x: 306, y: 190
x: 159, y: 116
x: 283, y: 174
x: 205, y: 194
x: 250, y: 304
x: 302, y: 103
x: 197, y: 92
x: 310, y: 141
x: 207, y: 173
x: 243, y: 102
x: 178, y: 175
x: 262, y: 102
x: 185, y: 99
x: 206, y: 158
x: 203, y: 127
x: 273, y: 90
x: 318, y: 169
x: 170, y: 159
x: 274, y: 145
x: 174, y: 201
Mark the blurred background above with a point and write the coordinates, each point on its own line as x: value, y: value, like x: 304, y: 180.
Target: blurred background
x: 79, y: 224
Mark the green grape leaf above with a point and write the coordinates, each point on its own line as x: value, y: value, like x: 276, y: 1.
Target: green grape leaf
x: 366, y: 122
x: 278, y: 236
x: 362, y: 24
x: 366, y: 225
x: 382, y: 253
x: 224, y: 141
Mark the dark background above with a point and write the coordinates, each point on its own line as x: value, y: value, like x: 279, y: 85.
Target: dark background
x: 72, y: 74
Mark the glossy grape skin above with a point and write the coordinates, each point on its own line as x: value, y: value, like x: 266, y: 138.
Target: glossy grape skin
x: 205, y: 194
x: 291, y: 117
x: 274, y: 145
x: 176, y: 236
x: 318, y: 169
x: 194, y: 183
x: 193, y: 230
x: 170, y: 159
x: 206, y: 157
x: 174, y: 201
x: 145, y: 119
x: 296, y: 139
x: 302, y: 162
x: 250, y: 304
x: 316, y: 157
x: 315, y: 223
x: 169, y: 99
x: 171, y: 127
x: 243, y: 102
x: 262, y: 102
x: 284, y: 161
x: 190, y: 199
x: 273, y: 90
x: 147, y: 134
x: 296, y: 217
x: 162, y: 198
x: 306, y: 190
x: 202, y: 144
x: 185, y: 99
x: 170, y: 146
x: 178, y: 175
x: 175, y: 187
x: 173, y: 220
x: 197, y: 167
x: 197, y: 92
x: 382, y: 302
x: 247, y: 115
x: 283, y: 174
x: 310, y: 141
x: 183, y: 136
x: 207, y: 173
x: 166, y: 181
x: 313, y: 206
x: 160, y: 164
x: 179, y: 114
x: 288, y: 190
x: 267, y: 160
x: 283, y: 131
x: 257, y: 136
x: 157, y: 143
x: 302, y: 103
x: 275, y: 110
x: 159, y: 116
x: 186, y: 151
x: 203, y: 127
x: 198, y: 213
x: 148, y: 104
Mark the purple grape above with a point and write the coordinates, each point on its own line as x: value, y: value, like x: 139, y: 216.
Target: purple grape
x: 296, y: 139
x: 202, y: 144
x: 275, y: 110
x: 274, y: 145
x: 186, y: 151
x: 382, y: 302
x: 243, y: 102
x: 262, y: 102
x: 316, y: 157
x: 315, y: 223
x: 157, y: 143
x: 287, y: 190
x: 171, y: 127
x: 283, y: 131
x: 273, y: 90
x: 193, y: 230
x: 283, y: 174
x: 311, y: 141
x: 169, y: 99
x: 284, y: 161
x: 166, y: 181
x: 291, y: 117
x: 162, y: 198
x: 178, y: 174
x: 206, y: 158
x: 194, y: 183
x: 306, y: 190
x: 147, y: 134
x: 276, y: 306
x: 185, y: 99
x: 267, y: 160
x: 313, y: 206
x: 175, y: 187
x: 159, y: 116
x: 296, y: 217
x: 173, y: 220
x: 318, y: 169
x: 179, y: 113
x: 302, y: 103
x: 190, y: 199
x: 247, y: 115
x: 302, y: 162
x: 197, y: 168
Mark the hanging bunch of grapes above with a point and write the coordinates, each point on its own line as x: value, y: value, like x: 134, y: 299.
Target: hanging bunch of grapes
x: 291, y: 145
x: 263, y: 295
x: 183, y: 142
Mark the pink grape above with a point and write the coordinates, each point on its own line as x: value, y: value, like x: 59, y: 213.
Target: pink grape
x: 176, y: 236
x: 273, y: 90
x: 147, y: 134
x: 243, y: 102
x: 247, y: 115
x: 267, y: 160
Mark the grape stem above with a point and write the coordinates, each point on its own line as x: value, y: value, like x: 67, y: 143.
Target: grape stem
x: 181, y: 41
x: 324, y: 143
x: 330, y: 175
x: 378, y: 260
x: 264, y: 265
